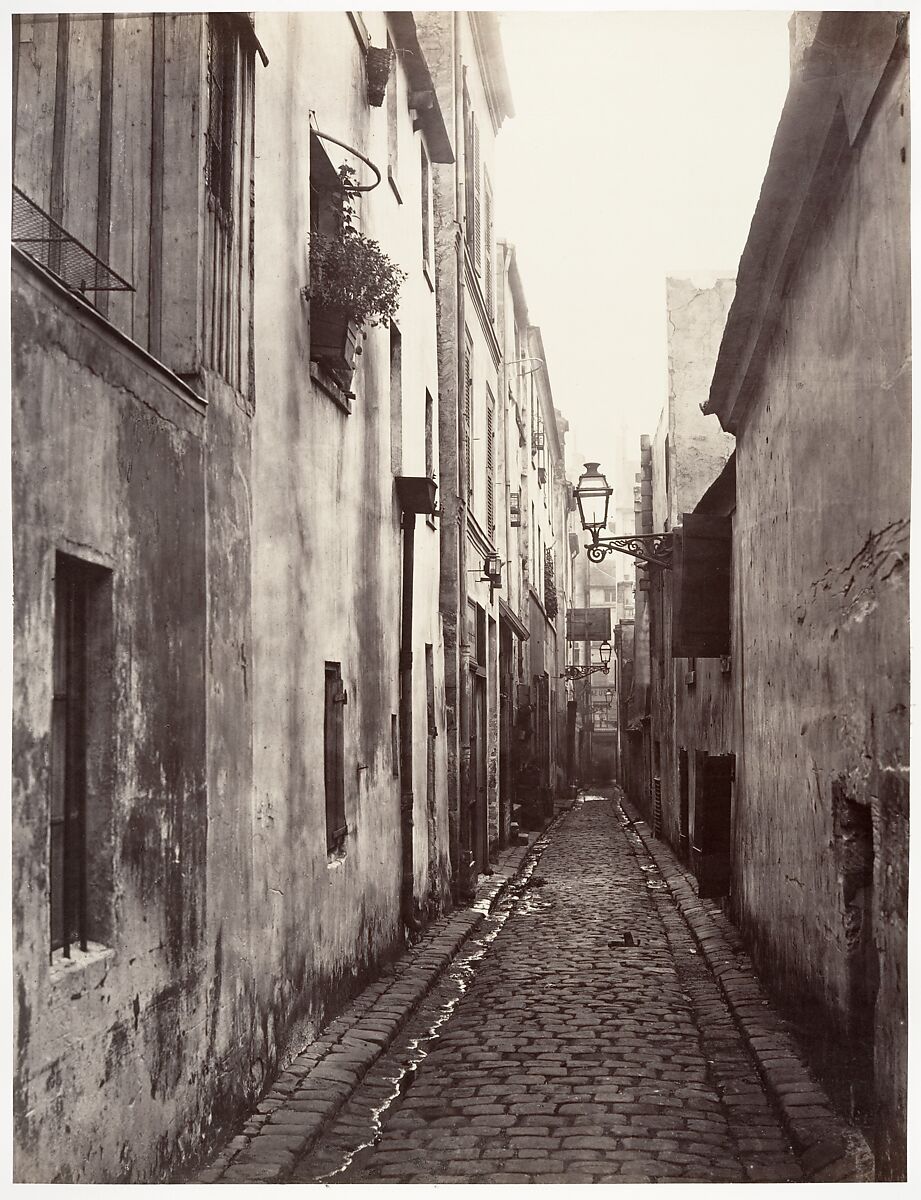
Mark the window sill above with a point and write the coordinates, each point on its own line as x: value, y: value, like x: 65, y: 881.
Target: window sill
x: 74, y: 968
x: 394, y: 186
x: 331, y: 388
x: 427, y: 275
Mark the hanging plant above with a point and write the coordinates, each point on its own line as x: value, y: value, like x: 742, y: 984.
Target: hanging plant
x: 379, y: 64
x: 351, y: 272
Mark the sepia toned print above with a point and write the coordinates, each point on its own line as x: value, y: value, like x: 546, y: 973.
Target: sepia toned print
x: 422, y: 771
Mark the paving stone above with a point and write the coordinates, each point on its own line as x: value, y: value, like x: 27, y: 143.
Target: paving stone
x: 565, y: 1059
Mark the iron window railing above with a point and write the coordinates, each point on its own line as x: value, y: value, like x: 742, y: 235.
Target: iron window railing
x: 52, y: 247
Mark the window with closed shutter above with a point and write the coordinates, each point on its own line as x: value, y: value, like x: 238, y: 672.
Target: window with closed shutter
x: 477, y: 198
x: 490, y: 464
x: 468, y: 413
x: 333, y: 755
x: 701, y: 577
x: 488, y: 284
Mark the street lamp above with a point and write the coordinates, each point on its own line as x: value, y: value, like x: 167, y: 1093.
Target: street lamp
x: 604, y: 653
x: 593, y: 495
x: 609, y: 696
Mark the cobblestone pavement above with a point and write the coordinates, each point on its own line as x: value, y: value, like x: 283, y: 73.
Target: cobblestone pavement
x: 580, y: 1038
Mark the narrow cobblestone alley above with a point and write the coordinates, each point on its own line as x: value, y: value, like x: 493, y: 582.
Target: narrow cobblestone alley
x: 590, y: 1044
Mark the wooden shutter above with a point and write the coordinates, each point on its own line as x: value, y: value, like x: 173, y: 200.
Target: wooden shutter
x: 487, y: 244
x: 333, y: 753
x: 468, y: 413
x: 477, y: 200
x: 701, y: 587
x: 714, y: 775
x: 490, y: 466
x: 469, y: 188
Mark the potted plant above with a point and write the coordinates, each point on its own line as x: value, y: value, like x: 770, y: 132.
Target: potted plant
x: 352, y: 283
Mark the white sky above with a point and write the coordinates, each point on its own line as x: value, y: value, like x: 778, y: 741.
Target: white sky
x: 638, y: 152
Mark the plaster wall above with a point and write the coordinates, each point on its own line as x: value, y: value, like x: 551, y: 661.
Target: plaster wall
x: 109, y: 466
x: 821, y: 547
x: 328, y: 548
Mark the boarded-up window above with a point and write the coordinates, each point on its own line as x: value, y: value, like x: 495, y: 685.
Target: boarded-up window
x: 333, y: 755
x: 701, y: 587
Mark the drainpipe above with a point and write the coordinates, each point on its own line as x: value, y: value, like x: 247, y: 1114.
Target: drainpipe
x: 407, y: 796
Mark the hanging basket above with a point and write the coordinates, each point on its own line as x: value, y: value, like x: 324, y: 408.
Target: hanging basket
x: 379, y: 63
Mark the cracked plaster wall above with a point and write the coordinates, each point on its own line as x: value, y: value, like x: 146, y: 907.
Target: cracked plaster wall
x: 821, y: 561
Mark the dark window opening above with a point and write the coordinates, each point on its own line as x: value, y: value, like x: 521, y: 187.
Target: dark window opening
x: 396, y: 400
x: 712, y: 842
x: 426, y: 200
x: 429, y: 435
x: 684, y: 804
x: 80, y: 836
x: 222, y: 65
x: 333, y: 756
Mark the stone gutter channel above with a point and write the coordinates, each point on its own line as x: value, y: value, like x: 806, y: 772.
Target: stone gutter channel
x: 308, y: 1094
x: 828, y: 1148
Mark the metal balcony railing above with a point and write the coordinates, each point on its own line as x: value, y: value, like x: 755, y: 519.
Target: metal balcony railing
x: 52, y: 247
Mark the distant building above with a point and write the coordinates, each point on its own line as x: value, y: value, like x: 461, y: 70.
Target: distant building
x: 473, y: 92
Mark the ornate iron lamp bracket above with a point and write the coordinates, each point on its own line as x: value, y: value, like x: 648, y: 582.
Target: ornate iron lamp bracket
x: 653, y: 549
x: 584, y: 672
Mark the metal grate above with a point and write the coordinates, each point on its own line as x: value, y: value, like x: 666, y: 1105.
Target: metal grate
x: 657, y: 808
x: 45, y: 241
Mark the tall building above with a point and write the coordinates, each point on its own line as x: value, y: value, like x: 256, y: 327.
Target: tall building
x: 229, y: 769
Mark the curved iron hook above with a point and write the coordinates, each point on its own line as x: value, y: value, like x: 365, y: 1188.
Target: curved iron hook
x: 328, y: 137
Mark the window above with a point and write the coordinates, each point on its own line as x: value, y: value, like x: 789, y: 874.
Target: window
x: 490, y: 464
x: 426, y: 208
x: 334, y: 340
x: 488, y: 286
x: 396, y: 400
x: 333, y: 756
x: 468, y: 413
x: 472, y: 182
x: 429, y: 435
x: 222, y: 47
x: 80, y: 836
x: 393, y: 126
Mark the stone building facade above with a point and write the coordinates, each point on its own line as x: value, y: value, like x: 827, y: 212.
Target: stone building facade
x: 776, y: 754
x: 472, y: 91
x: 229, y: 779
x: 813, y: 381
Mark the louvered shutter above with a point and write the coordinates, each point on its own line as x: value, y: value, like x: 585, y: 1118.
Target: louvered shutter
x: 490, y: 447
x: 487, y: 244
x: 477, y: 201
x: 468, y: 403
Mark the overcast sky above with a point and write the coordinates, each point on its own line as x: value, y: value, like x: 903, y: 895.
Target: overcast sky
x: 638, y: 150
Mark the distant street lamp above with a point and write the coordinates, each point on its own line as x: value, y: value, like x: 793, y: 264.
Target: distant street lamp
x: 593, y: 496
